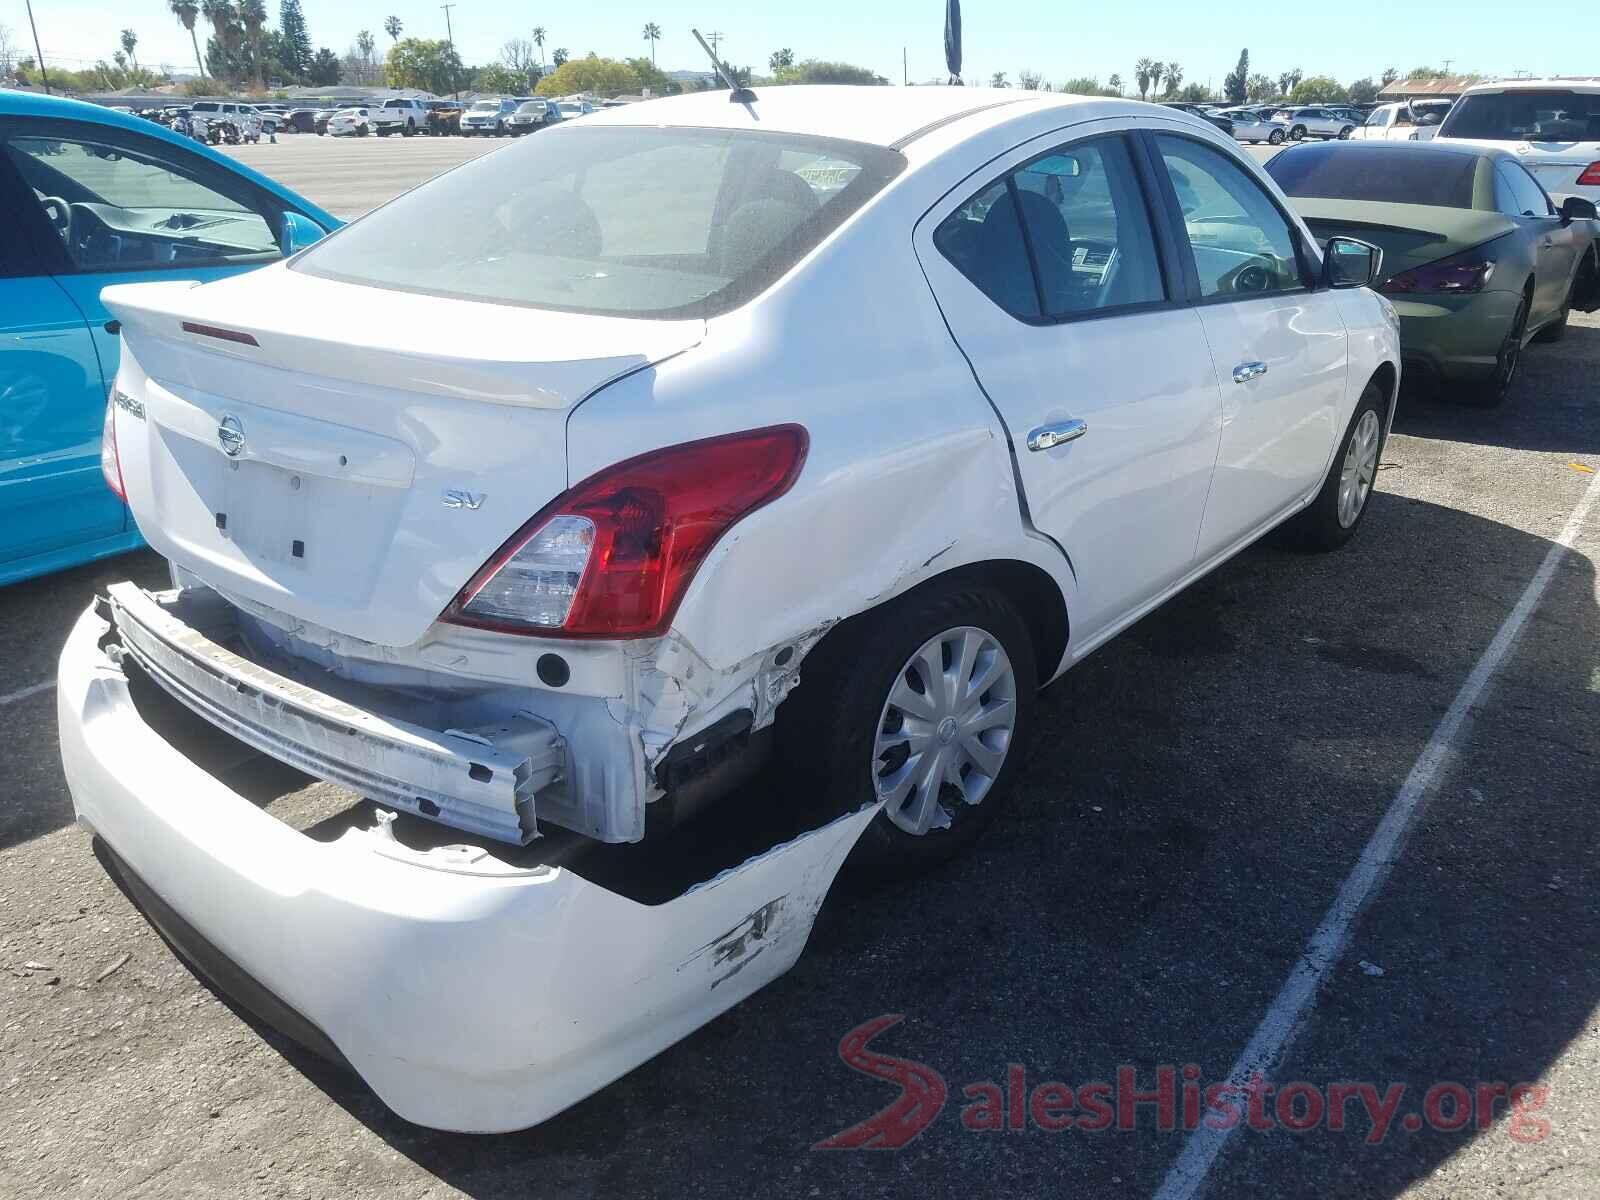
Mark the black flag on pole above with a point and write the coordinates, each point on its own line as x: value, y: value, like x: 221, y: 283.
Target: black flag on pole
x: 952, y: 39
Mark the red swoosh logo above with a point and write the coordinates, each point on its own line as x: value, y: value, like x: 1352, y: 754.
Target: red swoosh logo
x: 922, y: 1092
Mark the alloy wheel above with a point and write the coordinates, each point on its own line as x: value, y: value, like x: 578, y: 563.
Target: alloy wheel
x: 945, y: 730
x: 1359, y: 469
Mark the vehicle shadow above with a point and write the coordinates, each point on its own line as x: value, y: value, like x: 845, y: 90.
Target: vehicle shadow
x: 1198, y: 791
x: 35, y: 617
x: 1547, y: 408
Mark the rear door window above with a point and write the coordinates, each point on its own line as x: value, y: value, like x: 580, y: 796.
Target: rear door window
x: 1526, y: 115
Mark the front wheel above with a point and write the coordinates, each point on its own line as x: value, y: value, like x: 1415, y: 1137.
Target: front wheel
x: 1330, y: 520
x: 1297, y: 133
x: 1344, y: 134
x: 1275, y: 138
x: 922, y: 706
x: 411, y: 128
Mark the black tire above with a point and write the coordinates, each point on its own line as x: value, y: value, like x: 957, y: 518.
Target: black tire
x: 1344, y: 134
x: 827, y: 729
x: 1557, y: 329
x: 1275, y: 138
x: 1496, y: 389
x: 1298, y: 133
x: 411, y: 128
x: 1319, y: 525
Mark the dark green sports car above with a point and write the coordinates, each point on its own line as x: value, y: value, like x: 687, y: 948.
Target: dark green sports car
x: 1477, y: 258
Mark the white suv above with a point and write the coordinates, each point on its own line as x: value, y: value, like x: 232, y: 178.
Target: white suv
x: 244, y: 116
x: 1552, y: 125
x: 818, y: 431
x: 399, y: 115
x: 1314, y: 122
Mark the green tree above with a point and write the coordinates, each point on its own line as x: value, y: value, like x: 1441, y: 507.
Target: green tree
x: 601, y: 76
x: 1143, y: 71
x: 294, y: 42
x: 1389, y: 76
x: 426, y: 63
x: 1085, y: 85
x: 1174, y: 79
x: 1260, y: 87
x: 538, y: 40
x: 559, y: 56
x: 1029, y: 81
x: 253, y: 16
x: 652, y: 34
x: 1318, y: 89
x: 1424, y: 74
x: 1363, y: 91
x: 1115, y: 84
x: 499, y: 78
x: 324, y: 70
x: 998, y: 80
x: 653, y: 77
x: 1288, y: 80
x: 1236, y: 85
x: 1195, y: 93
x: 1157, y: 70
x: 392, y: 26
x: 187, y: 12
x: 814, y: 70
x: 129, y: 40
x: 779, y: 59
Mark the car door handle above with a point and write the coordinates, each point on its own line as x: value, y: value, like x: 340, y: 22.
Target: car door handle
x: 1046, y: 436
x: 1548, y: 243
x: 1246, y: 371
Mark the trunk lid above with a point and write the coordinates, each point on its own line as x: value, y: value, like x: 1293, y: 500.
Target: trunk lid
x: 1557, y: 165
x: 346, y: 455
x: 1408, y: 234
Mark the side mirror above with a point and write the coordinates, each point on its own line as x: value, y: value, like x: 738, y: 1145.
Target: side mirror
x: 1348, y: 263
x: 1575, y: 208
x: 299, y: 231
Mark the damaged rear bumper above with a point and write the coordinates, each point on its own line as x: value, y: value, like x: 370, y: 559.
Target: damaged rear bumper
x: 470, y: 994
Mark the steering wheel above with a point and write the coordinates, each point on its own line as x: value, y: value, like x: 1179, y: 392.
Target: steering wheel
x: 1253, y: 276
x: 60, y: 213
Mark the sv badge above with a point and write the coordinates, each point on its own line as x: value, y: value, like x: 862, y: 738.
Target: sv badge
x: 457, y: 498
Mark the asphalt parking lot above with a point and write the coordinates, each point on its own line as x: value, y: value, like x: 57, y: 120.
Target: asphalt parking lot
x: 1199, y: 793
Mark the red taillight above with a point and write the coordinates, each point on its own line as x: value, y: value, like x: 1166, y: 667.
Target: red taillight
x: 1449, y: 275
x: 1590, y: 176
x: 612, y: 557
x: 110, y: 464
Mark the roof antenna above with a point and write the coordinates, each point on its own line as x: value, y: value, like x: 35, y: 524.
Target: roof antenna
x: 738, y: 94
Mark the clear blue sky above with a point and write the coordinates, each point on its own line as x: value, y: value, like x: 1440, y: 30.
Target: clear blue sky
x: 1060, y: 40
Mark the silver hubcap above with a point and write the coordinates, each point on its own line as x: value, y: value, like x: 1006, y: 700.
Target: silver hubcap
x: 1360, y: 465
x: 945, y: 730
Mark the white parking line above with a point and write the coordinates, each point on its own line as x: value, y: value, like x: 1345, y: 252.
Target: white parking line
x: 1187, y: 1177
x: 24, y: 693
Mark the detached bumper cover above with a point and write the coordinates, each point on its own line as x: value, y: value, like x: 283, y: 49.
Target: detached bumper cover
x: 470, y: 995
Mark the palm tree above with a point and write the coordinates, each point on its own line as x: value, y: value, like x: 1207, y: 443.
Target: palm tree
x: 253, y: 16
x: 187, y: 11
x: 1157, y: 71
x: 224, y: 32
x: 1115, y: 84
x: 1174, y: 78
x: 538, y: 40
x: 130, y: 39
x: 392, y: 26
x: 365, y: 45
x: 1141, y: 75
x: 652, y: 34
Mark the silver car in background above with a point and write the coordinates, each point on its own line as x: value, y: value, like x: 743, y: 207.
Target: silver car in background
x: 1314, y: 121
x: 532, y: 115
x: 1251, y: 125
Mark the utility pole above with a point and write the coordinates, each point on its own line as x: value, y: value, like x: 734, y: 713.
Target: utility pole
x: 44, y: 74
x: 450, y: 41
x: 1447, y: 63
x: 905, y: 75
x: 715, y: 39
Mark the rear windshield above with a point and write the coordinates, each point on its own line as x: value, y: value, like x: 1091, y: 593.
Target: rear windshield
x: 1556, y: 115
x: 648, y: 222
x: 1410, y: 174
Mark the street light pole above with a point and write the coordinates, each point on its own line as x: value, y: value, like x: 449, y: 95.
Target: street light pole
x: 450, y: 41
x: 43, y: 72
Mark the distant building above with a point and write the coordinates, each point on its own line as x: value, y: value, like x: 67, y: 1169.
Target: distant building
x: 685, y: 78
x: 1446, y: 87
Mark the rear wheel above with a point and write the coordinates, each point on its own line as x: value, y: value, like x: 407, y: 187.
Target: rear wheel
x: 924, y: 706
x: 411, y: 127
x: 1332, y: 518
x: 1344, y: 134
x: 1493, y: 391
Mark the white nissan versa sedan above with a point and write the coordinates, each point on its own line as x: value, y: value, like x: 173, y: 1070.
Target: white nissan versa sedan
x: 826, y: 426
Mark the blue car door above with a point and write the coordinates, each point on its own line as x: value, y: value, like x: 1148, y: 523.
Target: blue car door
x: 52, y: 404
x: 115, y: 206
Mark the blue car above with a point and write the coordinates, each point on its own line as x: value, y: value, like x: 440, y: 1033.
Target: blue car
x: 88, y: 198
